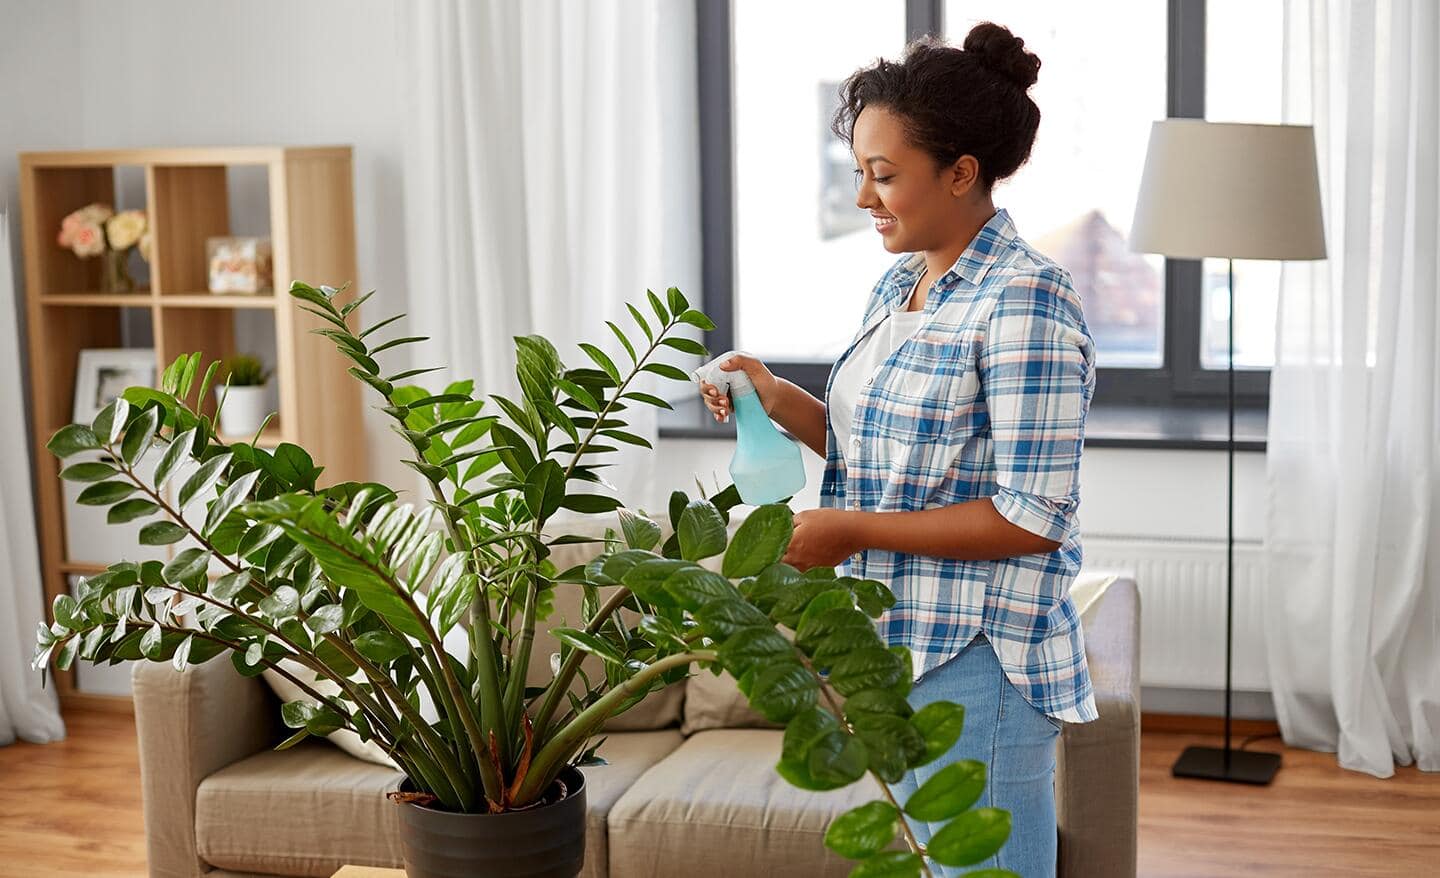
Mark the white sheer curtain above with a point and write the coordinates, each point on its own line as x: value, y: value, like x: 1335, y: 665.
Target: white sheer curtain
x: 552, y: 175
x: 26, y: 710
x: 1353, y: 522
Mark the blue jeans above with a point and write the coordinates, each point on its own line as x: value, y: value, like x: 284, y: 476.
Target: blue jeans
x: 1015, y: 740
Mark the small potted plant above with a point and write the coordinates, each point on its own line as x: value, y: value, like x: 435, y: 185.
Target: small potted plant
x: 241, y: 401
x: 361, y: 589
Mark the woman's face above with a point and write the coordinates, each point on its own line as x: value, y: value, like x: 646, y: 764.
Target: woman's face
x: 910, y: 203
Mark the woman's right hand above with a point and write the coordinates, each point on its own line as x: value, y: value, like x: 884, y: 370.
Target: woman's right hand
x: 767, y: 387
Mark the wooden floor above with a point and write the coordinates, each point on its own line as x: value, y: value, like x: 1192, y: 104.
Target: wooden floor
x: 72, y: 810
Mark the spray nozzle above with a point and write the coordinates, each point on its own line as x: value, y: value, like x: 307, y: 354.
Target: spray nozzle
x: 736, y: 383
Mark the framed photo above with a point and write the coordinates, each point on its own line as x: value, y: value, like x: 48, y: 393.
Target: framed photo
x: 239, y: 265
x: 104, y: 373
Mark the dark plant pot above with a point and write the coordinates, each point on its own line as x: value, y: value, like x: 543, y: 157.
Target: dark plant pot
x: 547, y: 841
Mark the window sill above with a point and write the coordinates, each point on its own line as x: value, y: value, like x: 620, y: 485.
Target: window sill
x: 1108, y: 425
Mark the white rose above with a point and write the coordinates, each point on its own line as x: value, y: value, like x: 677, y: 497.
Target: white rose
x: 125, y: 228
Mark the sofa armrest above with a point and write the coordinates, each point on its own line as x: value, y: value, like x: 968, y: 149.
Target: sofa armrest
x: 1097, y: 770
x: 189, y: 724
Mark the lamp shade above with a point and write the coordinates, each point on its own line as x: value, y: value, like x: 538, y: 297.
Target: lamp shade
x: 1229, y: 190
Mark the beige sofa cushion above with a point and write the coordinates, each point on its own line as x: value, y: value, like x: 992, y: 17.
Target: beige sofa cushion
x: 717, y: 806
x: 332, y: 807
x: 713, y: 702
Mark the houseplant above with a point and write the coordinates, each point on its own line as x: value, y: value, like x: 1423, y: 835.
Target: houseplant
x: 361, y: 589
x: 240, y: 401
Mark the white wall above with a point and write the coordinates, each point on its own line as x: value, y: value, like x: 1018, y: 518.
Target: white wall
x: 86, y: 74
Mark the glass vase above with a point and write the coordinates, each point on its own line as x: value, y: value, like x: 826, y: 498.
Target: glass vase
x: 115, y: 274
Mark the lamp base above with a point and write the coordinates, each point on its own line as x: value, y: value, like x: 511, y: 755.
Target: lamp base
x: 1241, y: 766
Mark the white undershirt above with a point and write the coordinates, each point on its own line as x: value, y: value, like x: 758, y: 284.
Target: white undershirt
x: 872, y: 350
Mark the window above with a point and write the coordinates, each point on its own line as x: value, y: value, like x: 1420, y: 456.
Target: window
x: 790, y: 260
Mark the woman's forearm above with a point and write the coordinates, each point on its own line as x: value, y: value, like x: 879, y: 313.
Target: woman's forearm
x: 971, y: 531
x: 801, y: 414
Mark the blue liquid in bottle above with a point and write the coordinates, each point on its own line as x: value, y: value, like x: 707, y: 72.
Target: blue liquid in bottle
x: 766, y: 467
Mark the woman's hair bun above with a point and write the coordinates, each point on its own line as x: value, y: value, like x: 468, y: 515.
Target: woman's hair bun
x: 1004, y: 53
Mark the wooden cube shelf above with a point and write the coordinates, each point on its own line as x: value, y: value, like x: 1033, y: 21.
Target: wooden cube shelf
x: 312, y: 231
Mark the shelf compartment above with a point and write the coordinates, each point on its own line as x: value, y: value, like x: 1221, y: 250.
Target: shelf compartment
x: 191, y: 203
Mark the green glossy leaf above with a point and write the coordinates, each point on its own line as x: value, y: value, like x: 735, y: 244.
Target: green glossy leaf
x: 893, y: 744
x: 697, y: 319
x: 178, y: 450
x: 624, y: 342
x: 658, y: 307
x: 233, y: 495
x: 186, y: 566
x: 837, y: 758
x: 203, y: 479
x: 970, y: 838
x: 940, y: 724
x: 161, y: 533
x: 110, y: 423
x: 71, y: 440
x: 722, y: 618
x: 590, y: 503
x: 644, y: 327
x: 676, y: 300
x: 92, y: 471
x: 591, y: 643
x: 696, y: 587
x: 182, y: 653
x: 782, y: 690
x: 544, y: 489
x: 750, y: 648
x: 702, y: 531
x: 282, y: 603
x: 105, y: 493
x: 687, y: 345
x: 380, y: 646
x: 424, y: 560
x: 949, y: 791
x: 602, y: 360
x: 648, y: 399
x: 129, y: 510
x: 878, y: 701
x: 640, y: 532
x: 869, y: 668
x: 759, y: 541
x: 647, y: 579
x: 863, y: 831
x: 665, y: 370
x: 326, y: 619
x: 139, y: 435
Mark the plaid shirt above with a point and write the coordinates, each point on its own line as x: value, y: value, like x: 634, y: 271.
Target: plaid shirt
x: 986, y: 400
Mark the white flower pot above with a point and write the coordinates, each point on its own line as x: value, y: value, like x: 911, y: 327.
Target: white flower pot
x: 244, y: 410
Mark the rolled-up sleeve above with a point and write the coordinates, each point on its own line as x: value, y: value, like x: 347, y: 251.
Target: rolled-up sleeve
x: 1037, y: 371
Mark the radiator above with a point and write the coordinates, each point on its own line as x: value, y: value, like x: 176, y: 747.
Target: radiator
x: 1182, y: 609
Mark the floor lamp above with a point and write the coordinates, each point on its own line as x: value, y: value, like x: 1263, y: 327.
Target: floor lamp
x: 1235, y: 192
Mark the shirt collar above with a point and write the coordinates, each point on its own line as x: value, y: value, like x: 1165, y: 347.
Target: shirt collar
x: 993, y: 239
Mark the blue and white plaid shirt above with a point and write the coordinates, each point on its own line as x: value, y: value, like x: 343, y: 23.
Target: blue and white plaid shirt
x: 987, y: 399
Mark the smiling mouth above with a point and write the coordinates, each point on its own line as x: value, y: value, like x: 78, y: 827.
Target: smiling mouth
x: 884, y: 223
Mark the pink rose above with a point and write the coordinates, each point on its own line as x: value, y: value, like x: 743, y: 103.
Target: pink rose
x: 87, y: 240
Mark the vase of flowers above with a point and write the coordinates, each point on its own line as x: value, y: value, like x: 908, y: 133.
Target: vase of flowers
x: 97, y: 230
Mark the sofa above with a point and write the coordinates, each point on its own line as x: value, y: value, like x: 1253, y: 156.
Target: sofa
x: 689, y: 788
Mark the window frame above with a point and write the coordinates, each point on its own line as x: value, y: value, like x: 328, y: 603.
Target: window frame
x: 1180, y: 380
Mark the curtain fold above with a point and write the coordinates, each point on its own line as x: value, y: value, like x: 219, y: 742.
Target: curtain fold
x: 552, y: 175
x: 27, y: 710
x: 1353, y: 512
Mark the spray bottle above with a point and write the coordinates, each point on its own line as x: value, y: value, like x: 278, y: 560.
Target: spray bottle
x: 766, y: 467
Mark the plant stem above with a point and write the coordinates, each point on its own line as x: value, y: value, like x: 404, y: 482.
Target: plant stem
x: 914, y: 843
x: 552, y: 757
x: 561, y: 684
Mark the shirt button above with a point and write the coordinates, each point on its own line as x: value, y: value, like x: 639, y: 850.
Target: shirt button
x: 870, y: 380
x: 855, y: 558
x: 854, y: 504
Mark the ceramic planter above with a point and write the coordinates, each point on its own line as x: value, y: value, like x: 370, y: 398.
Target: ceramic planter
x: 245, y: 409
x: 547, y: 841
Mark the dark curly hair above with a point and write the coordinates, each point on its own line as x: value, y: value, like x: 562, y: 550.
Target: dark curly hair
x: 954, y: 102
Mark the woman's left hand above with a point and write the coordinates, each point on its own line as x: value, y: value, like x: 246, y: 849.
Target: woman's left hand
x: 822, y: 538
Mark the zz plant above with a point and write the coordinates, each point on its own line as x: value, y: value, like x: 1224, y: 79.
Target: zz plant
x: 361, y: 589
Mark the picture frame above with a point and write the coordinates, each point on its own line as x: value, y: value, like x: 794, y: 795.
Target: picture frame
x: 103, y: 374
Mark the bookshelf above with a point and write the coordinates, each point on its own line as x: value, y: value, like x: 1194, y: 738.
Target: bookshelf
x: 187, y: 196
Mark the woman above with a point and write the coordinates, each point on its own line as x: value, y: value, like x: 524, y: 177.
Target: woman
x: 952, y: 426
